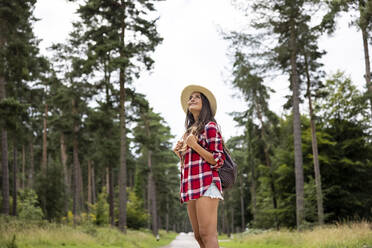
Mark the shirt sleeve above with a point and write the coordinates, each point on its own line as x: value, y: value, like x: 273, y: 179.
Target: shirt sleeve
x: 214, y: 144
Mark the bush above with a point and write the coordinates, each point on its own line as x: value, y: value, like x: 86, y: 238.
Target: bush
x: 136, y: 215
x: 100, y: 210
x: 51, y: 191
x: 28, y: 205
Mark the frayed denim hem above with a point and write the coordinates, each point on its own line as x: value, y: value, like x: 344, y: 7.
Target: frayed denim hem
x: 213, y: 192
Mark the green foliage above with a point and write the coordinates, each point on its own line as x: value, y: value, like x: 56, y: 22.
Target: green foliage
x: 137, y: 217
x: 13, y: 114
x: 33, y: 234
x: 12, y: 244
x: 343, y: 101
x: 101, y: 209
x: 51, y: 191
x: 28, y: 205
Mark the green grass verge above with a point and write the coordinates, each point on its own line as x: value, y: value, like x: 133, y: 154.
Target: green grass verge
x: 45, y: 235
x: 352, y: 235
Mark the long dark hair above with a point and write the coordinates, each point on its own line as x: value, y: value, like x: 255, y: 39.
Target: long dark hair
x: 205, y: 116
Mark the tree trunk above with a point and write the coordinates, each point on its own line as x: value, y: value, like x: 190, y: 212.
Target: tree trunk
x: 23, y: 167
x: 123, y: 163
x: 94, y: 198
x: 242, y: 207
x: 152, y: 203
x: 107, y: 181
x: 314, y: 143
x: 268, y: 163
x: 149, y: 200
x: 32, y: 168
x: 81, y: 190
x: 14, y: 180
x: 44, y: 158
x: 227, y: 214
x: 299, y: 174
x: 76, y: 199
x: 111, y: 196
x: 367, y: 65
x: 89, y: 187
x: 65, y: 170
x: 167, y: 215
x: 4, y: 156
x: 232, y: 220
x: 253, y: 182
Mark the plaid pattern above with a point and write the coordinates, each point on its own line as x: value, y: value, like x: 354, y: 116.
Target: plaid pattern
x: 197, y: 174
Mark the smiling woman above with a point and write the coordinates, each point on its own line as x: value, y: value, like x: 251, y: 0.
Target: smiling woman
x: 201, y: 155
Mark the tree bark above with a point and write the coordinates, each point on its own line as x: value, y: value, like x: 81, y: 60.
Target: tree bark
x: 299, y: 175
x: 314, y: 143
x: 253, y: 182
x: 242, y: 207
x: 65, y: 170
x: 14, y: 180
x: 89, y: 187
x: 111, y: 196
x: 94, y: 198
x: 152, y: 203
x: 44, y: 158
x: 367, y: 65
x: 228, y: 230
x: 149, y: 201
x: 167, y: 215
x: 4, y: 156
x: 76, y: 199
x: 81, y: 189
x: 23, y: 167
x: 32, y: 168
x: 107, y: 181
x: 123, y: 164
x: 232, y: 220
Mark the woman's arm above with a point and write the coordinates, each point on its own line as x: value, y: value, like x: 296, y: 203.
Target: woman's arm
x: 203, y: 153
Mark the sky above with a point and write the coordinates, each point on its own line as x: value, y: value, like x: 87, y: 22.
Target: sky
x: 194, y: 52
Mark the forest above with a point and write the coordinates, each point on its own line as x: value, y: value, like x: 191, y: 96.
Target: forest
x: 79, y: 144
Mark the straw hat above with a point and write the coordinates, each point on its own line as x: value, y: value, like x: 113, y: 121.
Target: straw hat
x: 188, y: 90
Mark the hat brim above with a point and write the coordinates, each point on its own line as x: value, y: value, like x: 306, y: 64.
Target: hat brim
x: 188, y: 90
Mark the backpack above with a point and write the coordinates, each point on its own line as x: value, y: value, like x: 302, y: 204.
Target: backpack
x: 228, y: 172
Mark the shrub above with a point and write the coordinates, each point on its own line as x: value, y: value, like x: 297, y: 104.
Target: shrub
x: 100, y: 210
x: 136, y: 215
x: 28, y: 205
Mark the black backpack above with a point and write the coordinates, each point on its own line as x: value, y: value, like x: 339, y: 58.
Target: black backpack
x: 228, y: 172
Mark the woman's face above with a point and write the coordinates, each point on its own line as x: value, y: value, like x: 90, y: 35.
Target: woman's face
x: 195, y: 103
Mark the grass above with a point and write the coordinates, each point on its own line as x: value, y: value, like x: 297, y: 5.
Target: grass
x: 352, y: 235
x: 43, y: 234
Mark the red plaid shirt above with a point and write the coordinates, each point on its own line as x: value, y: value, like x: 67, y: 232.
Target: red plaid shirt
x: 197, y: 174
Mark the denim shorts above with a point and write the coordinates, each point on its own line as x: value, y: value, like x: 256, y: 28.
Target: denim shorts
x: 213, y: 192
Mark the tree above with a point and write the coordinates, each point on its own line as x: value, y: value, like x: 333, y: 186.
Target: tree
x: 19, y: 62
x: 76, y: 90
x: 363, y: 21
x: 257, y: 95
x: 346, y: 152
x: 122, y: 31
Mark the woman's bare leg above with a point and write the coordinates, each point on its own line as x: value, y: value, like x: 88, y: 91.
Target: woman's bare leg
x: 206, y: 211
x: 191, y: 210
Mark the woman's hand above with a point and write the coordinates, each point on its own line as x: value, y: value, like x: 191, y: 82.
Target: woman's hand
x: 191, y: 140
x: 177, y: 148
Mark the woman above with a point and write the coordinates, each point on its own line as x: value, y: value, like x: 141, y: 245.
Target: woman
x: 201, y: 155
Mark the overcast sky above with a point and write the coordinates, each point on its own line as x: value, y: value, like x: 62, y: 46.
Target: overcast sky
x: 193, y: 52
